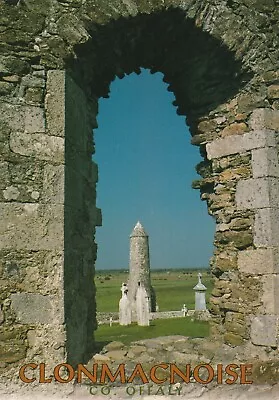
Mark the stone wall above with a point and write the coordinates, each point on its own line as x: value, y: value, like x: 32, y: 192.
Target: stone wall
x: 104, y: 317
x: 32, y: 219
x: 48, y: 218
x: 220, y: 59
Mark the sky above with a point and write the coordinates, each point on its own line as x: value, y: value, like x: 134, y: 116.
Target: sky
x: 146, y: 166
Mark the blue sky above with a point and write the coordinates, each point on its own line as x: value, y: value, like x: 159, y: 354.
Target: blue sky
x: 146, y: 166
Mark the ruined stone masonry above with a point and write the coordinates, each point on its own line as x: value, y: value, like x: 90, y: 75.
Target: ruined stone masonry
x: 57, y: 58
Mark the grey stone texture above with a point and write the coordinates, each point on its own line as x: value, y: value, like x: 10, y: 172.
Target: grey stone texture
x: 259, y: 261
x: 32, y: 308
x: 38, y: 145
x: 139, y: 267
x: 240, y: 143
x: 32, y: 226
x: 266, y: 227
x: 220, y: 59
x: 264, y: 330
x: 54, y: 103
x: 265, y: 118
x: 265, y: 162
x: 257, y: 193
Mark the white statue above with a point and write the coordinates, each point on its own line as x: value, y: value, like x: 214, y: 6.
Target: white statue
x: 125, y: 311
x: 142, y: 306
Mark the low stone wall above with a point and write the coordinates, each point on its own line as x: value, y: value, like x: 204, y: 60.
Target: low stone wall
x: 166, y: 314
x: 104, y: 318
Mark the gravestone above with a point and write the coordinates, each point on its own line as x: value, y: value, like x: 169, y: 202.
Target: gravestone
x: 200, y: 289
x: 125, y: 311
x: 142, y: 306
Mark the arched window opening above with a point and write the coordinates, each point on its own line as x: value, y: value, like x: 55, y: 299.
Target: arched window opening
x: 146, y: 167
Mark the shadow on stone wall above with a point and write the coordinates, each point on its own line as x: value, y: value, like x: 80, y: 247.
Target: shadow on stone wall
x: 201, y: 71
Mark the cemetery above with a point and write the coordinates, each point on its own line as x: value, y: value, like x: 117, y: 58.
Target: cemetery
x: 137, y: 306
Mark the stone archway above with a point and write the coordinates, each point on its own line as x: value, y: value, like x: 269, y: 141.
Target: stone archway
x: 67, y: 54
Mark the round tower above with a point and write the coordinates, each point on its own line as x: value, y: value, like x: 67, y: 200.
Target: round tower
x: 139, y: 267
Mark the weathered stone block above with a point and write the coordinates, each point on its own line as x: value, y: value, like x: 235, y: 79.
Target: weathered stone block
x: 257, y: 193
x: 38, y: 145
x: 239, y: 224
x: 116, y: 345
x: 6, y: 88
x: 248, y: 102
x: 12, y: 115
x: 258, y: 262
x: 265, y: 372
x: 266, y: 227
x: 264, y: 330
x: 52, y: 267
x: 11, y: 193
x: 71, y: 29
x: 265, y: 162
x: 13, y: 65
x: 265, y: 118
x: 55, y: 103
x: 34, y: 95
x: 236, y: 328
x: 12, y: 351
x: 225, y: 262
x: 270, y: 294
x: 235, y: 174
x: 271, y: 76
x: 31, y: 226
x: 4, y: 175
x: 116, y: 355
x: 27, y: 173
x: 234, y: 129
x: 273, y: 92
x: 240, y: 143
x: 207, y: 126
x: 240, y: 240
x: 32, y: 308
x: 34, y: 120
x: 53, y: 184
x: 32, y: 81
x: 233, y: 339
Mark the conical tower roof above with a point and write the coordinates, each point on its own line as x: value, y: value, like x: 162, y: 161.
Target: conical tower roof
x: 138, y: 230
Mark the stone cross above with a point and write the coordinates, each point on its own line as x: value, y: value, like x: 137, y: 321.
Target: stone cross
x: 200, y: 289
x: 142, y: 306
x: 125, y: 311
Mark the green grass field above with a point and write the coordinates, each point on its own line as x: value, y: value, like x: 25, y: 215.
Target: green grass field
x: 159, y: 327
x: 173, y: 288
